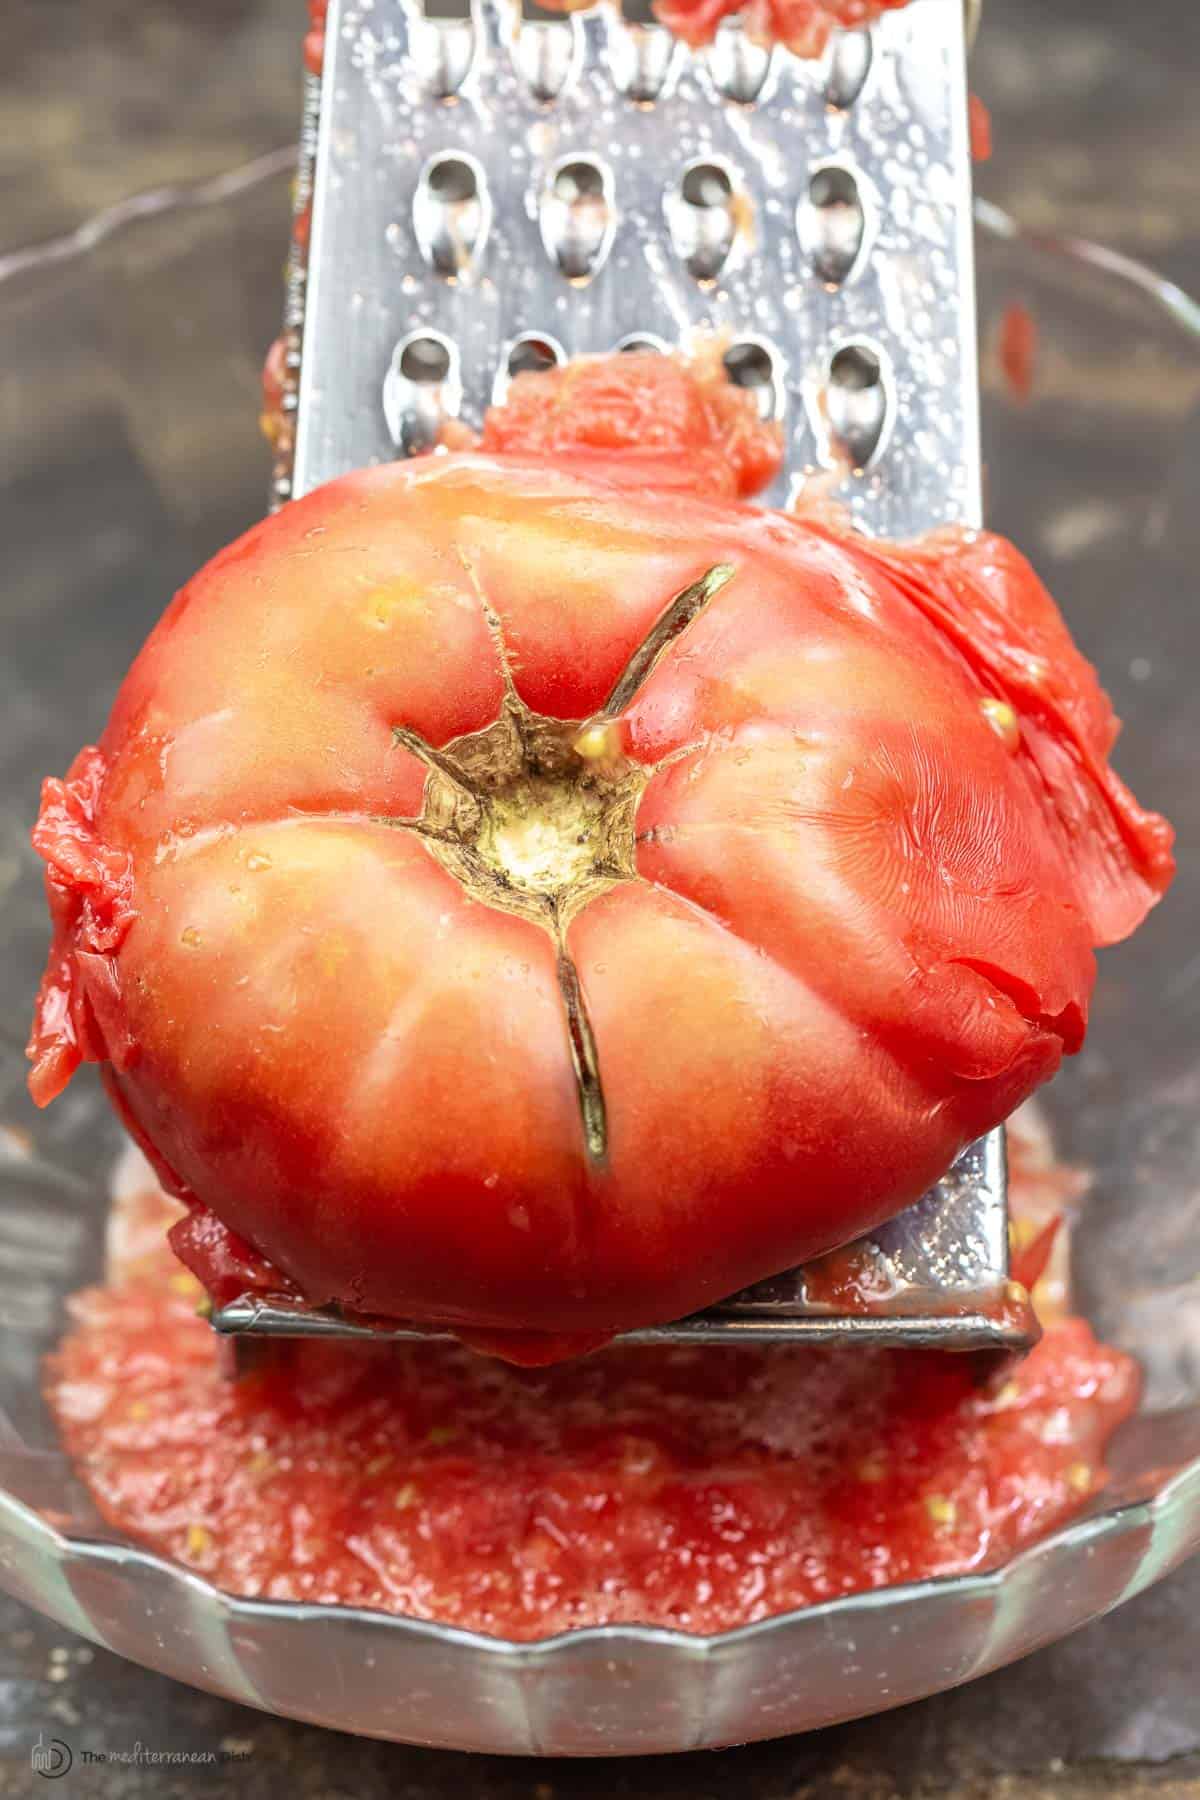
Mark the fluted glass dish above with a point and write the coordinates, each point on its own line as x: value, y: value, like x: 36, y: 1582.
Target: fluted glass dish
x: 129, y: 453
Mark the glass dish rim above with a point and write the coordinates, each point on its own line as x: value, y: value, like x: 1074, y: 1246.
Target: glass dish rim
x: 1078, y: 1535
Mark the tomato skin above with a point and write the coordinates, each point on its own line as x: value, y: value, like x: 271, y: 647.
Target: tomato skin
x: 860, y: 930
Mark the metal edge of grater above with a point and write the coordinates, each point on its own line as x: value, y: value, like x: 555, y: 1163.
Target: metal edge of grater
x: 465, y: 224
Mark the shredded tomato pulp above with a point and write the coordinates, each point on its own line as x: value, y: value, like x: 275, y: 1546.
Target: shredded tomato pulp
x: 691, y: 1488
x: 803, y: 25
x: 641, y: 418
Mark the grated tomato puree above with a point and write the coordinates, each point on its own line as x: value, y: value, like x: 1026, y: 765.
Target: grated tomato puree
x: 693, y: 1488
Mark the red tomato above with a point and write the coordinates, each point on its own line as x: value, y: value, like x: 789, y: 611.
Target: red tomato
x: 1017, y: 346
x: 507, y: 898
x: 314, y: 42
x: 980, y: 124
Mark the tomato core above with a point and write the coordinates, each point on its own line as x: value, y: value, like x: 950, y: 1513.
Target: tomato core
x: 526, y: 817
x: 544, y: 835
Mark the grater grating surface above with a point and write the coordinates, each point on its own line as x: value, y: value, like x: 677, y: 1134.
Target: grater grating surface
x: 495, y: 191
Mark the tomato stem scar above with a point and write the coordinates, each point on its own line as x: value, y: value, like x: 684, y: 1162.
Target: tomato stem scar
x: 425, y: 753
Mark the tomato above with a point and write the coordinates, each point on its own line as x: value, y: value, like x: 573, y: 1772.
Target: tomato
x: 314, y: 42
x: 521, y: 897
x: 979, y: 121
x: 1016, y: 346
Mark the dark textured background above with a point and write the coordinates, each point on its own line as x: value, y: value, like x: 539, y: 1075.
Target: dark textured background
x: 1098, y: 131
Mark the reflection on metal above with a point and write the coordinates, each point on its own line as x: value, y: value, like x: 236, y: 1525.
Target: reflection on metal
x: 703, y: 218
x: 739, y: 66
x: 858, y: 403
x: 643, y: 343
x: 422, y: 389
x: 832, y: 223
x: 756, y: 364
x: 443, y: 50
x: 546, y: 55
x: 530, y: 353
x: 643, y: 60
x: 847, y: 65
x: 451, y: 212
x: 578, y: 216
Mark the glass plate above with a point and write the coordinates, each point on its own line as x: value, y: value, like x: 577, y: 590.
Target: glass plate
x: 128, y: 454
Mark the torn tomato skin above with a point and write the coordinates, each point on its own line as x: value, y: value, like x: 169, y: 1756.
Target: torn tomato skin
x: 984, y: 596
x: 89, y: 891
x: 802, y: 1055
x: 1028, y: 1263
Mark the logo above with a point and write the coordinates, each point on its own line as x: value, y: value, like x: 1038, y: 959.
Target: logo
x: 51, y: 1759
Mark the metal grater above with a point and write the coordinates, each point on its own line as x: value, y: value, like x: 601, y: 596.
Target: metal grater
x: 499, y: 190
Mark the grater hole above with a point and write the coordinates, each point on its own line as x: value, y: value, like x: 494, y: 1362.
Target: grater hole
x: 451, y: 213
x: 858, y: 403
x: 706, y: 184
x: 580, y: 180
x: 739, y: 67
x: 831, y: 224
x: 533, y: 353
x: 755, y: 364
x: 704, y: 214
x: 847, y: 65
x: 856, y: 368
x: 547, y: 51
x: 452, y: 180
x: 642, y: 55
x: 442, y: 43
x: 424, y: 359
x: 422, y: 389
x: 642, y: 343
x: 578, y: 218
